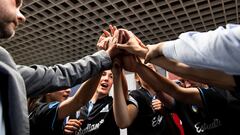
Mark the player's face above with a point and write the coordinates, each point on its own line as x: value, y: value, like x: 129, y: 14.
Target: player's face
x: 59, y: 95
x: 10, y: 17
x: 105, y: 83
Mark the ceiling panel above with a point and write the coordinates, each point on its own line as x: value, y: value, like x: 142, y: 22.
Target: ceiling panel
x: 59, y: 31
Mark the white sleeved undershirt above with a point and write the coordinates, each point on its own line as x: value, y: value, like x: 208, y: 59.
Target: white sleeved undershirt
x: 218, y: 49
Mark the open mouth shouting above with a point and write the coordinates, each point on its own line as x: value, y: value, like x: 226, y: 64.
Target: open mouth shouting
x: 104, y: 85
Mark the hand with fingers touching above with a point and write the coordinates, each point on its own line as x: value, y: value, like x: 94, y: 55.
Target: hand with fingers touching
x: 112, y: 29
x: 133, y: 45
x: 121, y: 35
x: 104, y: 39
x: 108, y: 42
x: 103, y: 44
x: 124, y: 39
x: 112, y: 49
x: 117, y: 35
x: 72, y: 126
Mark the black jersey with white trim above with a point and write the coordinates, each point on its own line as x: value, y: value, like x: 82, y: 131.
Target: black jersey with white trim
x: 216, y: 117
x: 149, y: 122
x: 43, y: 120
x: 100, y: 120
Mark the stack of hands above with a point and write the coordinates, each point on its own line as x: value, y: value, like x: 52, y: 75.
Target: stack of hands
x: 127, y: 47
x: 125, y: 43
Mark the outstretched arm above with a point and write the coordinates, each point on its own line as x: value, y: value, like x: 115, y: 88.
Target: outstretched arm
x: 83, y: 95
x: 124, y: 114
x: 153, y: 54
x: 159, y: 83
x: 217, y: 49
x: 41, y: 79
x: 209, y: 76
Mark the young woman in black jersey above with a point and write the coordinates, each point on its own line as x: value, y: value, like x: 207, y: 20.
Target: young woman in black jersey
x: 143, y: 113
x: 47, y: 113
x: 96, y: 117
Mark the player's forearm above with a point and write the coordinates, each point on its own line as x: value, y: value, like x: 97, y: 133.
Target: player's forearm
x: 209, y: 76
x: 152, y: 78
x: 83, y: 95
x: 119, y: 103
x: 159, y: 83
x: 86, y: 91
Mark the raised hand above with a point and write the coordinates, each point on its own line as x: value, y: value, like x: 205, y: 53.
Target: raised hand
x: 103, y: 41
x: 121, y: 35
x: 133, y: 45
x: 112, y: 29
